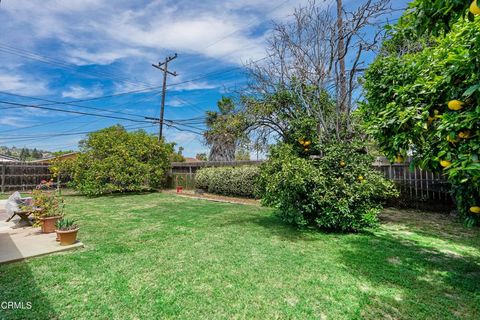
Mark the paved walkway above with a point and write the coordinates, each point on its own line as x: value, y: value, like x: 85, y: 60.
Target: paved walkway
x: 18, y: 242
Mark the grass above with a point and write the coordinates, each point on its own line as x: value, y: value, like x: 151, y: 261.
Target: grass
x: 157, y: 256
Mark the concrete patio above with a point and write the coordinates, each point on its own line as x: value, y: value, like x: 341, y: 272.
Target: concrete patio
x: 18, y: 242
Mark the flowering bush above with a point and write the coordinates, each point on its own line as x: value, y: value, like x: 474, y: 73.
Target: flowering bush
x: 51, y: 203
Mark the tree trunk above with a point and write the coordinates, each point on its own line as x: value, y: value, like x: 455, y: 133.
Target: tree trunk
x: 342, y: 99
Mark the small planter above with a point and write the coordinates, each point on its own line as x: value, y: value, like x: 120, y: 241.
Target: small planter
x: 48, y: 223
x: 67, y: 237
x: 179, y: 189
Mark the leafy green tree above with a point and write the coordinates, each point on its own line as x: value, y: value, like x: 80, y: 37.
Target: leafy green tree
x: 201, y: 156
x: 427, y: 103
x: 339, y: 191
x: 36, y: 154
x: 226, y: 129
x: 114, y: 160
x: 24, y: 154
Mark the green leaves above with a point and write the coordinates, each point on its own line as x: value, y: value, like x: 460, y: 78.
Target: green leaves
x: 230, y: 181
x: 340, y: 191
x: 114, y: 160
x: 414, y: 115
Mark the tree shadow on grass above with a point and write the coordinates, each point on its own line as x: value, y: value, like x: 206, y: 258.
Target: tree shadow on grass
x: 431, y: 284
x: 20, y: 297
x: 274, y: 226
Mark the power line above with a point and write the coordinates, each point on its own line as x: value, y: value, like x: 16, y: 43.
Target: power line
x: 71, y: 111
x: 64, y: 65
x: 53, y: 102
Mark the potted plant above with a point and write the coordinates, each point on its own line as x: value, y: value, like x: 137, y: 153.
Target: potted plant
x: 66, y: 231
x: 48, y: 206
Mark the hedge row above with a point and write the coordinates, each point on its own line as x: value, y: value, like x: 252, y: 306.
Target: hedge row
x: 230, y: 181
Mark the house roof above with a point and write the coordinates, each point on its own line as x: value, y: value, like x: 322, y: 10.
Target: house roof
x: 7, y: 158
x: 63, y: 156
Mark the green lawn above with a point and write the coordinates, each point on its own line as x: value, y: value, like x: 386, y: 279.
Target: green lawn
x: 157, y: 256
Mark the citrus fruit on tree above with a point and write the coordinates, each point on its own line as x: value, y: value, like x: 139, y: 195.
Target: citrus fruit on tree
x: 445, y: 163
x: 475, y: 209
x: 452, y: 140
x: 474, y: 8
x: 464, y: 134
x: 455, y: 105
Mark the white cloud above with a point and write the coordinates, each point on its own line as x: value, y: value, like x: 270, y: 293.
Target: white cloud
x: 12, y: 121
x: 78, y: 92
x: 20, y: 84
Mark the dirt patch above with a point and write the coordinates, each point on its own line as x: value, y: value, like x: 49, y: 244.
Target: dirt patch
x: 214, y: 197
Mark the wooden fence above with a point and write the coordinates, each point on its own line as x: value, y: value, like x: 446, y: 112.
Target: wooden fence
x: 23, y: 175
x: 417, y: 185
x: 414, y: 184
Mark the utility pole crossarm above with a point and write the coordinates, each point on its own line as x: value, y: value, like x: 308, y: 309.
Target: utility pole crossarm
x: 163, y: 66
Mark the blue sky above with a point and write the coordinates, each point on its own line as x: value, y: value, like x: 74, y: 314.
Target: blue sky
x: 60, y: 50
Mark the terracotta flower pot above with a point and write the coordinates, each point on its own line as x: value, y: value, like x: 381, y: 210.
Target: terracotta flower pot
x: 67, y: 237
x: 48, y: 224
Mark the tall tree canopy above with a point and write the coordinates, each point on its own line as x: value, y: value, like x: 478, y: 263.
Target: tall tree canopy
x: 425, y: 101
x: 225, y: 130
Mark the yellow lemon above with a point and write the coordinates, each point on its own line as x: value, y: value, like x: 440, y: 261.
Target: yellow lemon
x: 307, y: 143
x: 455, y: 105
x: 445, y: 163
x: 360, y: 178
x: 399, y: 159
x: 301, y: 141
x: 450, y: 139
x: 464, y: 134
x: 306, y: 149
x: 474, y: 8
x: 475, y: 209
x: 342, y: 164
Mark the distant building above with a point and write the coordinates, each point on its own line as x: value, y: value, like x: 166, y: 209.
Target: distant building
x: 65, y: 156
x: 192, y: 160
x: 4, y: 158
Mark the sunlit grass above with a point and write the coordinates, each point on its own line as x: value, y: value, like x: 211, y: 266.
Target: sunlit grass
x: 157, y: 256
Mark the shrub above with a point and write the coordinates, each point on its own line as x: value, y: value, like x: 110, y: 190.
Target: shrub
x: 232, y: 181
x: 114, y: 160
x: 340, y: 191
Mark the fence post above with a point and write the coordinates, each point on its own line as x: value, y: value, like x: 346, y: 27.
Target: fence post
x: 3, y: 177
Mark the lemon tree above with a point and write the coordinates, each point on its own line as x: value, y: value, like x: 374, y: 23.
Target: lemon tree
x: 427, y: 102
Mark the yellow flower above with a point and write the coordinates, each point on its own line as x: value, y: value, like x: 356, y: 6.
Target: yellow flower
x: 455, y: 105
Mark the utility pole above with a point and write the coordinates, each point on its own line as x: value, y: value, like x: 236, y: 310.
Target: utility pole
x: 163, y: 66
